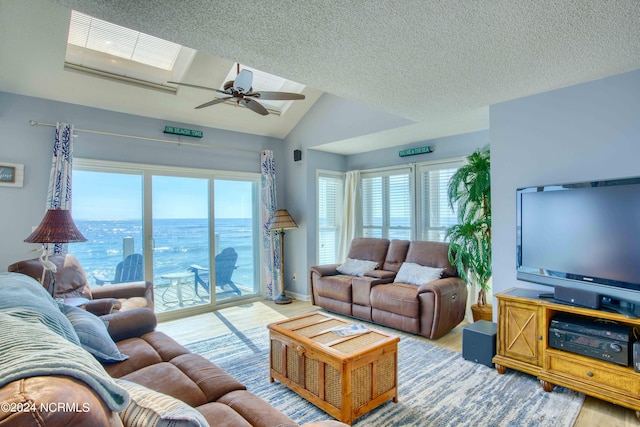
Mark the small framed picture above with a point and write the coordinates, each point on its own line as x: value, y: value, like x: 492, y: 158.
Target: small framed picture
x: 11, y: 174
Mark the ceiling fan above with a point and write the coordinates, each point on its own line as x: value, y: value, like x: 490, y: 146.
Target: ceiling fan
x: 241, y: 92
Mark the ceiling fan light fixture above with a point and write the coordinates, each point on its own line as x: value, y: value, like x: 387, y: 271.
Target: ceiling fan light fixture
x: 240, y: 91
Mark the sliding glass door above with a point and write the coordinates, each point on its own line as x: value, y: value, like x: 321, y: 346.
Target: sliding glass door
x: 236, y: 237
x: 107, y: 208
x: 193, y: 233
x: 180, y: 224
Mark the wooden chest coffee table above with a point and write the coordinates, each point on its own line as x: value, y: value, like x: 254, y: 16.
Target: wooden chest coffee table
x: 344, y: 376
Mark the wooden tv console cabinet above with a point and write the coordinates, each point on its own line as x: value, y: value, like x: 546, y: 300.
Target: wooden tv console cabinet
x: 523, y: 345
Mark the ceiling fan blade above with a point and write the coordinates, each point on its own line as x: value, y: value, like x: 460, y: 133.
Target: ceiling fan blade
x: 198, y: 87
x: 255, y: 106
x: 277, y: 96
x: 214, y: 102
x: 243, y: 81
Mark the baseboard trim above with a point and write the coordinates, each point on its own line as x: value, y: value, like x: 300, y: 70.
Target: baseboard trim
x: 299, y: 297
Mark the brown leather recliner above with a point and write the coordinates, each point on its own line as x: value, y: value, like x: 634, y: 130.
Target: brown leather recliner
x: 71, y: 282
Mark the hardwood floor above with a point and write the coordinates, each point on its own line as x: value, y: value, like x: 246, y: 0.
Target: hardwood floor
x: 594, y: 413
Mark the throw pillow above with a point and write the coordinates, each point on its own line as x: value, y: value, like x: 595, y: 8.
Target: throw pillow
x: 93, y: 334
x: 416, y: 274
x: 356, y: 267
x: 151, y: 408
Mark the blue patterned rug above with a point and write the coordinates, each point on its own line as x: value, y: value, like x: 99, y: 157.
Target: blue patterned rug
x: 437, y: 387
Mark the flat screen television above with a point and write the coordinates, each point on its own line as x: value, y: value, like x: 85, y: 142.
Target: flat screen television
x: 582, y: 235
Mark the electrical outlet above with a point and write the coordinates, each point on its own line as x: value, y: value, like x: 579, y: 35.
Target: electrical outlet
x: 294, y: 277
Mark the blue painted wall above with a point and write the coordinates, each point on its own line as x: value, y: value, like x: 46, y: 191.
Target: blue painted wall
x: 589, y: 131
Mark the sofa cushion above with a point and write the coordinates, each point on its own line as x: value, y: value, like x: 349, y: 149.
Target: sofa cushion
x: 255, y: 410
x: 369, y: 248
x: 396, y: 255
x: 416, y: 274
x: 221, y: 415
x: 433, y: 254
x: 93, y: 334
x: 140, y: 353
x: 166, y: 378
x: 356, y: 267
x: 151, y: 408
x: 396, y: 298
x: 335, y: 287
x: 132, y: 303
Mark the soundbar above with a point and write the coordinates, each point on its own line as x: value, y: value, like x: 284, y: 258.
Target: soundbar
x: 578, y: 297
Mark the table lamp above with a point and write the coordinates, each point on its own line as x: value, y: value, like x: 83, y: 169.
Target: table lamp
x: 280, y: 221
x: 57, y: 226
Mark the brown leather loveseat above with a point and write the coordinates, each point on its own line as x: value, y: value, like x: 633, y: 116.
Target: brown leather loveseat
x: 430, y: 306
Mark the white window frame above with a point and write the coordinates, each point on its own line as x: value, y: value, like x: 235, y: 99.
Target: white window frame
x: 417, y: 195
x: 450, y: 163
x: 386, y: 228
x: 339, y: 202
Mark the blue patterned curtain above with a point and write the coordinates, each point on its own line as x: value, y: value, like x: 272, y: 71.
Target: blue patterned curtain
x: 59, y: 194
x: 268, y: 205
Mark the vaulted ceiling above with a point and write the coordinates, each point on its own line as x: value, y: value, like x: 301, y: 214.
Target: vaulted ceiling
x: 437, y: 64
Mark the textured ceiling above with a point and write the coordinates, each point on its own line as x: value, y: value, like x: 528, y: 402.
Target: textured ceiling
x: 438, y: 63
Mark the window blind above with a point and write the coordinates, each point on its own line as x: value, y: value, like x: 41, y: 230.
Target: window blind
x: 330, y: 199
x: 436, y: 214
x: 387, y: 207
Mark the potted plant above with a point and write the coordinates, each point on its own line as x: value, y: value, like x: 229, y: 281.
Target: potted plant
x: 470, y: 239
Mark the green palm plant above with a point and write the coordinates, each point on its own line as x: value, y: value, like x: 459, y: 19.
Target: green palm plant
x: 470, y: 239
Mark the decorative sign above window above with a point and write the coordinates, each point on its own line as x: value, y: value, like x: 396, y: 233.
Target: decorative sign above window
x: 183, y: 131
x: 414, y: 151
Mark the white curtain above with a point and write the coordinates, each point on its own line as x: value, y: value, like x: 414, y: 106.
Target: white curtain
x: 268, y: 205
x: 349, y: 213
x: 59, y: 194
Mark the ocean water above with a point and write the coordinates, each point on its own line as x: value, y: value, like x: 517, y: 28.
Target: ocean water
x: 178, y: 243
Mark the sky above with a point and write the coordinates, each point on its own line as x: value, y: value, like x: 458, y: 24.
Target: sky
x: 102, y: 195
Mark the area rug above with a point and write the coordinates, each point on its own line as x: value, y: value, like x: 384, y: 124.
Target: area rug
x: 437, y: 387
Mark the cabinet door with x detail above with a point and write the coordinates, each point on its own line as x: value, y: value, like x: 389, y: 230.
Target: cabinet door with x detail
x: 520, y: 332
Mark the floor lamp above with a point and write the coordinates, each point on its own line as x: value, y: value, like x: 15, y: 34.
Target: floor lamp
x: 57, y: 226
x: 280, y: 221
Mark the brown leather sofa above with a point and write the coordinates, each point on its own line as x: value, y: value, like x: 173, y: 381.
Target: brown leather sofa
x: 155, y: 361
x: 71, y: 282
x: 430, y: 309
x: 161, y: 364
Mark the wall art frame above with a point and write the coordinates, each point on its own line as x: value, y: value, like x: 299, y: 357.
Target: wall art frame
x: 11, y: 174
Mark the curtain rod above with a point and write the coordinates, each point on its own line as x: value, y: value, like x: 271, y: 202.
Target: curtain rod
x: 146, y: 138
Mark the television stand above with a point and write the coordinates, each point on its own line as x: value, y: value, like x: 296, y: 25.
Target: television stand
x: 523, y: 345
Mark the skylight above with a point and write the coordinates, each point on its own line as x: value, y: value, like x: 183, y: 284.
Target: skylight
x: 268, y: 82
x: 94, y: 44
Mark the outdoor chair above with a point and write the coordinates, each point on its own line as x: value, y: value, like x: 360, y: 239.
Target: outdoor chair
x: 225, y: 265
x: 131, y: 269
